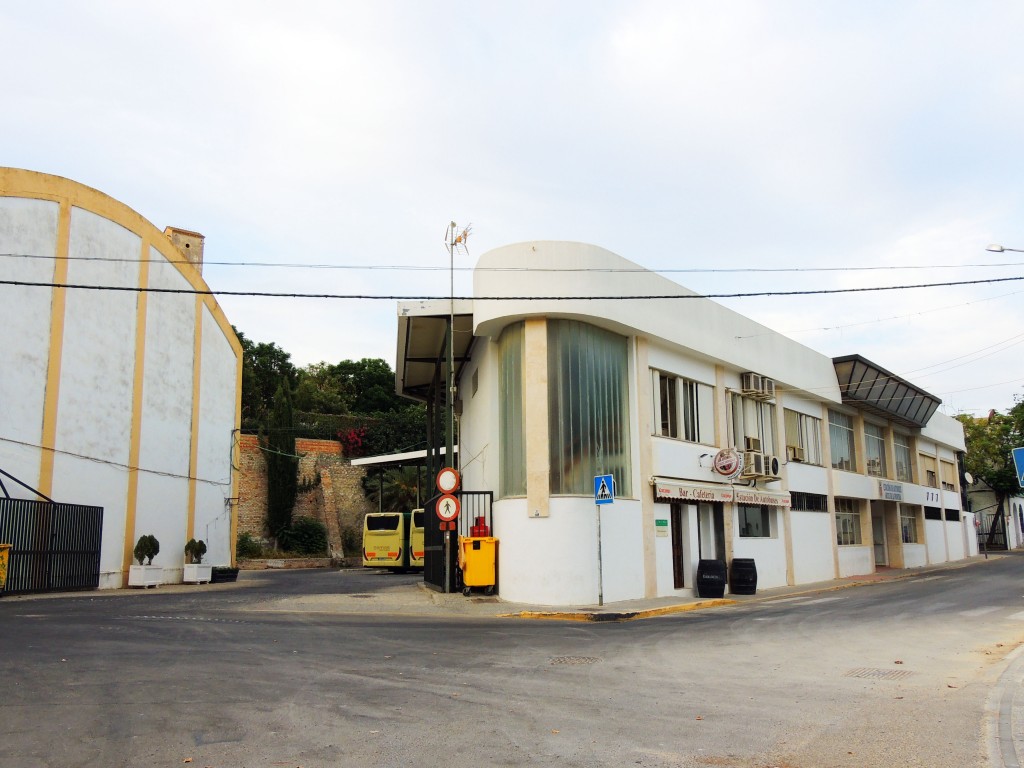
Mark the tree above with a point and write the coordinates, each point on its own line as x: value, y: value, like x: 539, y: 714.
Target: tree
x: 399, y: 491
x: 282, y: 463
x: 263, y: 368
x: 320, y: 390
x: 370, y: 385
x: 990, y: 442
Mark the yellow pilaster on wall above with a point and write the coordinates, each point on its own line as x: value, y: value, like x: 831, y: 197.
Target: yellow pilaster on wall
x: 535, y: 417
x: 645, y: 413
x: 193, y: 452
x: 57, y: 310
x: 134, y: 447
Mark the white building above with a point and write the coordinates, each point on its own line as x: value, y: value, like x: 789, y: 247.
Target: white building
x: 846, y: 467
x: 123, y: 399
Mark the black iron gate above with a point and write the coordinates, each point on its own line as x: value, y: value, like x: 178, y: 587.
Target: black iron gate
x: 54, y: 547
x: 476, y: 508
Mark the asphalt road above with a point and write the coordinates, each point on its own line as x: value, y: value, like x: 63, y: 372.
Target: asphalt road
x: 910, y: 673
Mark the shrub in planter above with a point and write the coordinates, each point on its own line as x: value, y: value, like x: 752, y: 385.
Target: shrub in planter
x: 305, y: 536
x: 194, y: 551
x: 195, y: 572
x: 146, y: 549
x: 145, y: 574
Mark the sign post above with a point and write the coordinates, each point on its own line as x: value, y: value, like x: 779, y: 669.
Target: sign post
x: 447, y: 508
x: 604, y: 493
x: 1018, y: 465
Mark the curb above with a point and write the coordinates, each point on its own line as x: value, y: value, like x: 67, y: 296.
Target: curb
x: 615, y: 616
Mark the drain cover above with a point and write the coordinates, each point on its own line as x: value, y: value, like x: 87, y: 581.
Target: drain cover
x: 879, y: 674
x: 574, y: 660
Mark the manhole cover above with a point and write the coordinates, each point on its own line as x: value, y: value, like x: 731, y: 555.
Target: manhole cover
x: 879, y: 674
x: 574, y: 660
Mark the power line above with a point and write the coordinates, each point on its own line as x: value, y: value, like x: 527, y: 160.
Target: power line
x: 373, y: 297
x: 423, y: 268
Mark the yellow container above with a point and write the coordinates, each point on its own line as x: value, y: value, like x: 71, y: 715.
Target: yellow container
x: 476, y: 558
x: 5, y: 553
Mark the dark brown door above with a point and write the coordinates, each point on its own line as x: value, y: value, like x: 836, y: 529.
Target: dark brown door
x: 677, y: 546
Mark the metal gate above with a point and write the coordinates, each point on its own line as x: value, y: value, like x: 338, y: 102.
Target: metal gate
x: 54, y: 547
x: 475, y: 504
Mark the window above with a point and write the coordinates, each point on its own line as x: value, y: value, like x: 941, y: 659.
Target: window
x: 948, y: 475
x: 752, y: 420
x: 803, y: 437
x: 755, y: 521
x: 908, y: 524
x: 953, y: 515
x: 901, y: 444
x: 847, y: 522
x: 840, y: 430
x: 588, y: 422
x: 932, y: 513
x: 874, y: 450
x: 512, y: 472
x: 808, y: 502
x: 930, y: 467
x: 685, y: 408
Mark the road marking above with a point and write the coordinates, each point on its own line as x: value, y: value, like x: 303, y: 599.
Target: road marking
x: 981, y: 611
x: 822, y: 600
x: 1017, y: 616
x: 789, y: 599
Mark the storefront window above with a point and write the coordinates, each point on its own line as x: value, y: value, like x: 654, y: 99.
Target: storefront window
x: 512, y: 475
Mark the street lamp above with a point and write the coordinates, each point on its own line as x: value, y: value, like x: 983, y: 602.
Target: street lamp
x: 1000, y: 249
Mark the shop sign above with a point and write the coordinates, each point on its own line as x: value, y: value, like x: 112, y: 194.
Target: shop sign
x: 762, y: 498
x: 728, y: 462
x: 680, y: 492
x: 890, y: 491
x: 661, y: 527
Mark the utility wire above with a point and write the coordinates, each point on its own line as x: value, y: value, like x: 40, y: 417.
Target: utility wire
x: 372, y: 297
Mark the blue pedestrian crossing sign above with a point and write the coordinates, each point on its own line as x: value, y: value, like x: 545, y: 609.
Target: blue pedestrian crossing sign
x: 604, y: 489
x: 1018, y: 464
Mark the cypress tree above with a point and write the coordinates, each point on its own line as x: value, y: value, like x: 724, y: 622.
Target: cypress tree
x: 282, y: 464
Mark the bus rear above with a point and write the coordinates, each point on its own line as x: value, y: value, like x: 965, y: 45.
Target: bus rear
x: 384, y: 540
x: 416, y: 539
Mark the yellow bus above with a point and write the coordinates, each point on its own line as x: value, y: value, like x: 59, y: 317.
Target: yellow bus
x: 393, y: 540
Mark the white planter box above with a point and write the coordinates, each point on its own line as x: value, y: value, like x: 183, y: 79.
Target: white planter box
x: 197, y: 573
x: 145, y: 576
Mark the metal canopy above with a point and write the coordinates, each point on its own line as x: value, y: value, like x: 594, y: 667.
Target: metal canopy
x: 422, y: 341
x: 871, y: 388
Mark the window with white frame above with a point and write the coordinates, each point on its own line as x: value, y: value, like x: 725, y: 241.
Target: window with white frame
x: 901, y: 447
x: 803, y: 437
x: 840, y: 430
x: 755, y: 521
x: 847, y: 522
x: 908, y: 524
x: 685, y: 408
x: 874, y: 450
x: 752, y: 424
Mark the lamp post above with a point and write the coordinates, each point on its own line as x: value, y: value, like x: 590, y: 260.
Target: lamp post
x: 999, y: 249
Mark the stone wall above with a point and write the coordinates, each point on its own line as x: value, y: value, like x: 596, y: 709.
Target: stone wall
x: 330, y: 490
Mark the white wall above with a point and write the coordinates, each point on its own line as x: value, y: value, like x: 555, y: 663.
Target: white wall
x: 955, y: 536
x: 769, y: 554
x: 914, y: 556
x: 935, y: 533
x: 812, y: 547
x: 854, y: 561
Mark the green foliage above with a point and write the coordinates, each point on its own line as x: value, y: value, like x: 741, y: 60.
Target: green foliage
x: 248, y: 547
x: 264, y: 366
x: 990, y: 442
x: 306, y: 536
x: 282, y: 464
x: 194, y: 551
x: 146, y: 548
x: 399, y: 488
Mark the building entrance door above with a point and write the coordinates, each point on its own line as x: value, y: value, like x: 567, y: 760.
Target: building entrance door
x: 678, y: 557
x: 878, y: 538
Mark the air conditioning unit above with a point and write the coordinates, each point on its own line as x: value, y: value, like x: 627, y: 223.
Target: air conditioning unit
x: 772, y: 467
x: 753, y: 464
x: 768, y: 388
x: 750, y: 383
x: 794, y: 454
x: 751, y: 443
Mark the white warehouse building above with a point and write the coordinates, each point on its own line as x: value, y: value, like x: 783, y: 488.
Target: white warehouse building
x: 124, y: 399
x: 725, y: 439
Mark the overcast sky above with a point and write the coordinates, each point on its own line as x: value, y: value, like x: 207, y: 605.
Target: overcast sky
x: 680, y: 135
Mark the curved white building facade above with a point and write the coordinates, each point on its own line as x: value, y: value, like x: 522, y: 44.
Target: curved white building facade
x: 562, y: 382
x: 123, y: 399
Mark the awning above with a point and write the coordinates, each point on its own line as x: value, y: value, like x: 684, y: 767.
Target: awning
x: 669, y: 490
x: 873, y: 389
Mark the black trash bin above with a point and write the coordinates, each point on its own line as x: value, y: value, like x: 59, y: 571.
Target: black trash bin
x: 743, y: 576
x: 711, y: 578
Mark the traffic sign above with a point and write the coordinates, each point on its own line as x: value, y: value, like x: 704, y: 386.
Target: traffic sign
x: 448, y: 507
x: 1018, y: 463
x: 448, y: 480
x: 604, y: 489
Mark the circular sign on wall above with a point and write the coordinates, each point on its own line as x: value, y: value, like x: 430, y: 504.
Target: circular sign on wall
x: 728, y: 462
x: 447, y: 480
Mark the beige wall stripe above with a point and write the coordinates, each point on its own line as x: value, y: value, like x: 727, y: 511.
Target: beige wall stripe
x: 193, y: 453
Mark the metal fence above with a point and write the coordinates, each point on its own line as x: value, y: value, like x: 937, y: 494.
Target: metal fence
x: 476, y: 507
x: 54, y: 547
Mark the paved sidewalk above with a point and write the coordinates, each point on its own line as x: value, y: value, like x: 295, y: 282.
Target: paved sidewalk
x: 418, y: 600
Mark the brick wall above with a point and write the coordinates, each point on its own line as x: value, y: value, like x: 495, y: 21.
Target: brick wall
x: 330, y: 491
